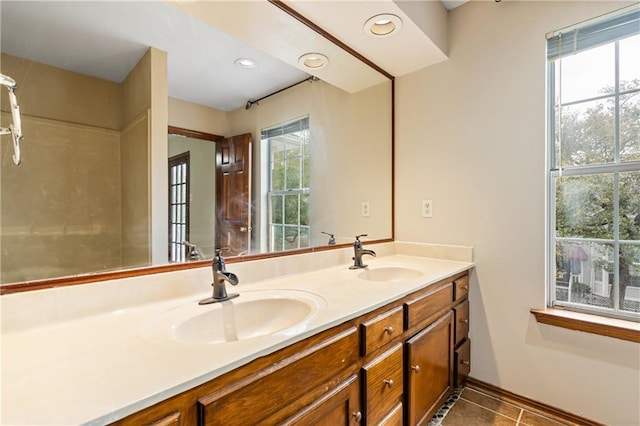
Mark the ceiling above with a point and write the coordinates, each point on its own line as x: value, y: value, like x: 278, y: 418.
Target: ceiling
x: 106, y: 39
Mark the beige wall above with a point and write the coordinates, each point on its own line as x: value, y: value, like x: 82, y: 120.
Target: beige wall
x: 69, y: 224
x: 202, y: 190
x: 159, y: 176
x: 65, y: 225
x: 134, y: 172
x: 50, y: 92
x: 135, y: 165
x: 471, y: 137
x: 192, y: 116
x: 200, y: 118
x: 144, y: 163
x: 350, y: 162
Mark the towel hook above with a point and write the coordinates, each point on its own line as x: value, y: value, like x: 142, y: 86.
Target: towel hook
x: 15, y: 128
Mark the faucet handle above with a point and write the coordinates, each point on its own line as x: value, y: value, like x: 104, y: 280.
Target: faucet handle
x: 361, y: 235
x: 332, y: 238
x: 219, y: 250
x: 218, y: 260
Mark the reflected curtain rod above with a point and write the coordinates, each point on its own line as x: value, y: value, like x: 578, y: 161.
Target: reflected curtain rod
x: 256, y: 102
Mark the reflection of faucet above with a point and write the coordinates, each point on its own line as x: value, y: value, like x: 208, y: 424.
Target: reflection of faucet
x: 193, y: 252
x: 358, y: 252
x: 332, y: 238
x: 220, y: 275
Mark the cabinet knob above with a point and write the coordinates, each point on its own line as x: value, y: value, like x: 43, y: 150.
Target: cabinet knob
x: 388, y: 330
x: 357, y: 416
x: 388, y: 382
x: 467, y: 363
x: 465, y: 287
x: 464, y: 321
x: 415, y: 368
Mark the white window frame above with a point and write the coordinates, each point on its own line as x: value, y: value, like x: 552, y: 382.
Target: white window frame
x: 562, y: 47
x: 303, y: 124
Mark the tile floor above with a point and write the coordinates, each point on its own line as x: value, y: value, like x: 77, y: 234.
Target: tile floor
x: 469, y: 407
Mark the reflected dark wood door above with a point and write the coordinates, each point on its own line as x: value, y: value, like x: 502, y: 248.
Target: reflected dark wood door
x: 233, y: 194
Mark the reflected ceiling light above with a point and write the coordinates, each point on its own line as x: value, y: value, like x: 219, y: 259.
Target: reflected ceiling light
x: 313, y: 60
x: 383, y: 25
x: 245, y: 63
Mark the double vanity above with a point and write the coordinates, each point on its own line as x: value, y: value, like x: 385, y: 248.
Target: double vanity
x: 324, y: 344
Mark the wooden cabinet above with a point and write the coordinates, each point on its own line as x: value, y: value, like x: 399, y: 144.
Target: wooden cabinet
x: 172, y: 419
x: 290, y: 380
x: 382, y: 384
x: 462, y: 343
x: 338, y: 407
x: 395, y: 365
x: 429, y: 369
x: 381, y: 330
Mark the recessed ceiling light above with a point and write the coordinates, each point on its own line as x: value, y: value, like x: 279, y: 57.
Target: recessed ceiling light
x: 245, y: 63
x: 313, y: 60
x: 383, y: 25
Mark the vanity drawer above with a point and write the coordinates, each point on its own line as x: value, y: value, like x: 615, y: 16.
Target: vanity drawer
x: 394, y: 418
x: 461, y: 288
x: 421, y: 310
x: 380, y: 330
x: 172, y: 419
x: 462, y: 321
x: 383, y: 385
x: 462, y: 362
x: 275, y: 392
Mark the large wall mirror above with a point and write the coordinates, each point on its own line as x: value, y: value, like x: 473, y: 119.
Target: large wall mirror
x: 144, y: 145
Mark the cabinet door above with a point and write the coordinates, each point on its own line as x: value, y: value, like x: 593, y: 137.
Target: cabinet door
x: 429, y: 369
x: 338, y: 407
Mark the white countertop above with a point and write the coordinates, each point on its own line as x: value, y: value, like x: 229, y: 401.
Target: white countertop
x: 98, y: 368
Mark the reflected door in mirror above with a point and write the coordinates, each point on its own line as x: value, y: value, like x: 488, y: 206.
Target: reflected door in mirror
x: 233, y: 194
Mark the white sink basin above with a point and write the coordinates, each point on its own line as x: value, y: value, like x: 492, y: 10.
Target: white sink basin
x: 392, y: 274
x: 254, y: 314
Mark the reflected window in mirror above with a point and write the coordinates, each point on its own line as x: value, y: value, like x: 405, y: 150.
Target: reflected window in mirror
x: 288, y: 147
x: 178, y: 206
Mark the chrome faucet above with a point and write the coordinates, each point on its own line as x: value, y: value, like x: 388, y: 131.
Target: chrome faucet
x: 358, y: 252
x: 220, y: 276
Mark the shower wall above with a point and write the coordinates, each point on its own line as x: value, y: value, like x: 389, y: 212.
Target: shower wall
x: 61, y: 210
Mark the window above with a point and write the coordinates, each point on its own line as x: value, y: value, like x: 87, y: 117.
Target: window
x: 594, y: 166
x: 178, y: 206
x: 288, y: 194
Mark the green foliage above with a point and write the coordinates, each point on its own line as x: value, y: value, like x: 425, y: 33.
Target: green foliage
x: 585, y: 204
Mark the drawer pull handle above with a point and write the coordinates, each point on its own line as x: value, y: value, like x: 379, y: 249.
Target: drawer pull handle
x: 467, y: 363
x: 415, y: 368
x: 464, y: 321
x: 388, y: 330
x: 388, y: 382
x: 465, y: 287
x: 357, y: 416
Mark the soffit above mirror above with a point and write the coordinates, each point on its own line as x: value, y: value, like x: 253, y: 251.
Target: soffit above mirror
x: 421, y: 41
x: 97, y: 39
x: 264, y: 26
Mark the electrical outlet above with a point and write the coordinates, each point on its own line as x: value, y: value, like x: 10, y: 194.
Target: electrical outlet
x: 365, y: 209
x: 427, y: 208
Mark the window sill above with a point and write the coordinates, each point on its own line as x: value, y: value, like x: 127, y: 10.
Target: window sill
x: 610, y: 327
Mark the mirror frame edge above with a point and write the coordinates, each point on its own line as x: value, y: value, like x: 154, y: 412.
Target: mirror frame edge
x: 19, y: 287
